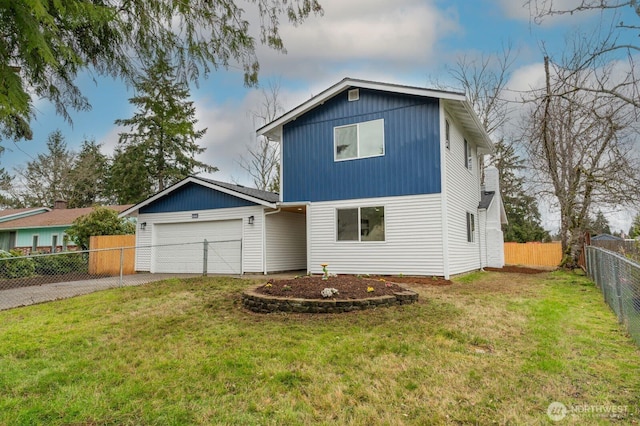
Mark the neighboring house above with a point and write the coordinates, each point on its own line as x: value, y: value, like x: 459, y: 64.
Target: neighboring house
x: 44, y: 231
x: 606, y: 237
x: 376, y: 178
x: 8, y: 239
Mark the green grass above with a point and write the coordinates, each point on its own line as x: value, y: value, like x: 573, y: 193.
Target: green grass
x: 498, y: 348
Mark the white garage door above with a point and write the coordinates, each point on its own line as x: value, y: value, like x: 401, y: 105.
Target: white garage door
x: 179, y: 247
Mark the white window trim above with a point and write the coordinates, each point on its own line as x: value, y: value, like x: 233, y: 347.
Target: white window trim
x: 57, y: 237
x: 357, y: 157
x: 34, y: 236
x: 468, y: 157
x: 359, y: 240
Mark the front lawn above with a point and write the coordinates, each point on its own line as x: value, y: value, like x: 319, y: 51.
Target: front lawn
x: 491, y: 348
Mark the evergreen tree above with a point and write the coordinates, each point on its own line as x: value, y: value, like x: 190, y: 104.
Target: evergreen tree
x: 599, y: 225
x: 88, y: 176
x: 162, y: 134
x: 45, y: 44
x: 634, y: 231
x: 521, y: 208
x: 128, y: 181
x: 47, y: 178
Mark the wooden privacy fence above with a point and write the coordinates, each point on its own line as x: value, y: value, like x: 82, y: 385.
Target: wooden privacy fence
x: 533, y: 254
x: 109, y: 252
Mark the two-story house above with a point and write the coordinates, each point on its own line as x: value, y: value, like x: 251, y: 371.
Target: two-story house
x: 376, y: 178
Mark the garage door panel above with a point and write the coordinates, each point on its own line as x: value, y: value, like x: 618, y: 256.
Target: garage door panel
x: 179, y: 247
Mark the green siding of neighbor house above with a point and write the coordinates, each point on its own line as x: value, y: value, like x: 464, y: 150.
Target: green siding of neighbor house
x: 4, y: 241
x: 24, y: 237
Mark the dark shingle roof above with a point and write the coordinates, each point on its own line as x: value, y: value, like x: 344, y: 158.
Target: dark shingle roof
x: 485, y: 199
x: 271, y: 197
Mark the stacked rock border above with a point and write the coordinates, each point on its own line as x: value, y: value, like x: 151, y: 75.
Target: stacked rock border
x: 262, y: 303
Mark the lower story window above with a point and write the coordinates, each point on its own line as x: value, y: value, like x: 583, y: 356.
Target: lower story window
x: 361, y: 224
x: 471, y: 227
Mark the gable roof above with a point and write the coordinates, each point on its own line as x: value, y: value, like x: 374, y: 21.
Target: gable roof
x: 606, y: 237
x: 11, y: 214
x: 486, y: 197
x: 55, y: 217
x: 456, y: 103
x: 265, y: 198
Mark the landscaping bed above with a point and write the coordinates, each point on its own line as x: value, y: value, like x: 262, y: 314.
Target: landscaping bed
x: 334, y: 294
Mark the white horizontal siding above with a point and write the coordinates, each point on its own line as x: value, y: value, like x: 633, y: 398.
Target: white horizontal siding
x: 462, y: 196
x: 482, y: 221
x: 413, y: 238
x: 495, y: 236
x: 286, y: 242
x: 252, y: 260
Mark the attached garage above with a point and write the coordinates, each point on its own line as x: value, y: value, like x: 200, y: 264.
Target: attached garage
x: 245, y: 230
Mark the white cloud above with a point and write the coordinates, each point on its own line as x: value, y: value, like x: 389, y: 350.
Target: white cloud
x: 370, y: 35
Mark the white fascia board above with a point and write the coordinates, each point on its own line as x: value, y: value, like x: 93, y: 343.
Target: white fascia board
x: 26, y: 213
x: 274, y: 129
x: 192, y: 179
x: 484, y: 136
x: 24, y: 228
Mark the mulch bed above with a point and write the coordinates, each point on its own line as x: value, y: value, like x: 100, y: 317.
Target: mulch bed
x: 6, y: 284
x: 517, y: 269
x: 348, y: 286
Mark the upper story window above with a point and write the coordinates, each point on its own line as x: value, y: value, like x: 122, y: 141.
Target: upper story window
x: 447, y: 134
x: 359, y: 140
x: 468, y: 163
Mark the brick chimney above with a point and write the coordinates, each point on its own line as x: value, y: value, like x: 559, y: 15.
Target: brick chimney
x: 59, y: 205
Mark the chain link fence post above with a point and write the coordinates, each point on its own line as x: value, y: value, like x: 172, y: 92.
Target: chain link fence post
x: 121, y: 266
x: 205, y: 257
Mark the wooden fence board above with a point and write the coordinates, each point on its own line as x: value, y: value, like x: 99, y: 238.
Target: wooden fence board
x: 533, y: 254
x: 107, y: 262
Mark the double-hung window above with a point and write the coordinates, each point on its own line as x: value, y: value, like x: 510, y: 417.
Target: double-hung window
x: 447, y: 134
x: 360, y: 224
x: 467, y: 155
x: 471, y: 227
x: 359, y: 140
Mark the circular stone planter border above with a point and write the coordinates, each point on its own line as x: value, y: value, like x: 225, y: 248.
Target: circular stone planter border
x: 263, y: 303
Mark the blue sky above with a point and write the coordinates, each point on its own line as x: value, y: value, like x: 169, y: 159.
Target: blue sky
x: 400, y: 41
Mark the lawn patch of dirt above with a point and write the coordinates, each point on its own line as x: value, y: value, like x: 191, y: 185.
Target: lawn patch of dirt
x: 348, y: 286
x: 517, y: 269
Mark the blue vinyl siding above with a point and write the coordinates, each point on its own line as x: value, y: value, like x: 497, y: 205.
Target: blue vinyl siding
x: 194, y: 197
x: 410, y: 165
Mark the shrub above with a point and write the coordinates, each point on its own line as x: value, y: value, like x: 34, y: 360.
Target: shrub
x: 60, y: 264
x: 14, y: 264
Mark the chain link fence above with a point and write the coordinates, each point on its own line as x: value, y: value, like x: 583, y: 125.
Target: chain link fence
x: 37, y: 278
x: 619, y: 280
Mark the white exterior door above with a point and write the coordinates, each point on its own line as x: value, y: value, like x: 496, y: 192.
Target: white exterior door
x: 179, y: 247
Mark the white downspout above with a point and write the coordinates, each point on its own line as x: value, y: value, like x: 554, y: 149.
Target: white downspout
x: 264, y: 238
